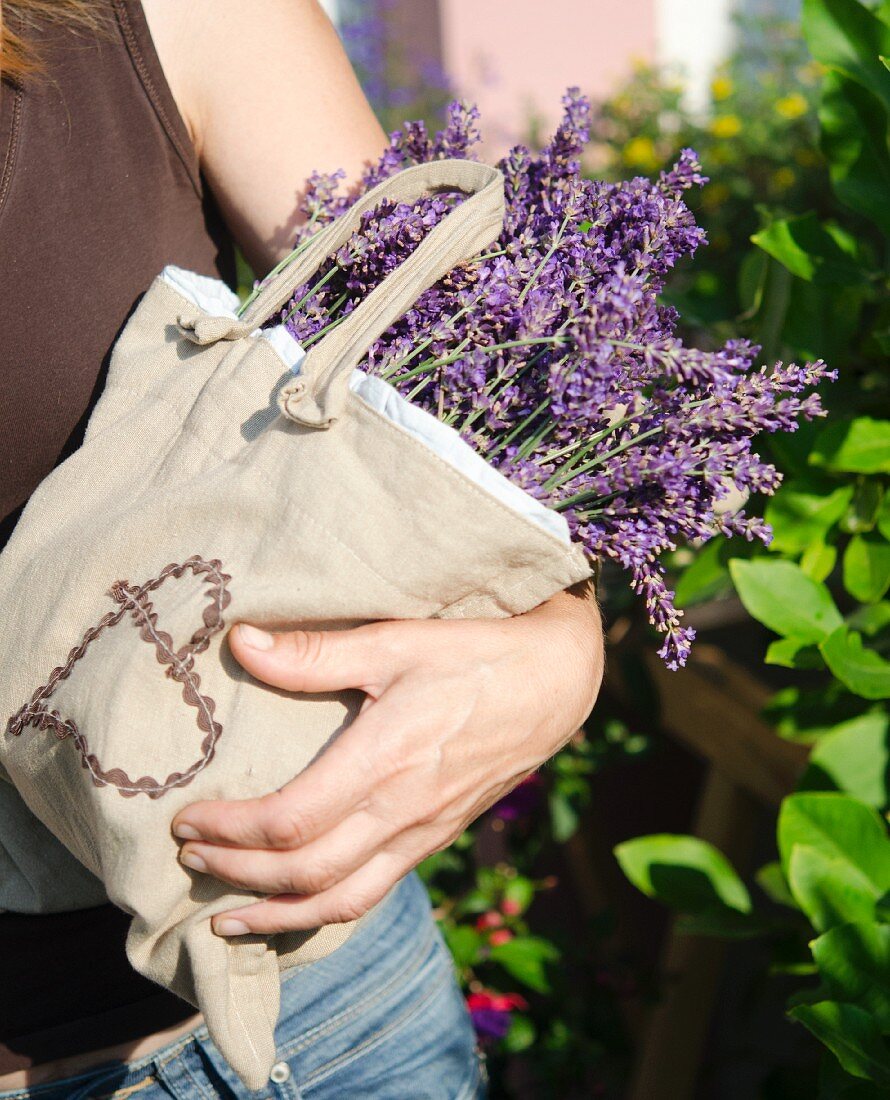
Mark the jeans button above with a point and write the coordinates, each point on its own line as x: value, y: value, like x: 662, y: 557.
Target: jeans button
x: 280, y: 1073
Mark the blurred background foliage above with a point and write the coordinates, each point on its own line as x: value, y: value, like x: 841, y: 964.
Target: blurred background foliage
x: 757, y: 140
x: 805, y: 274
x: 793, y: 138
x: 794, y: 142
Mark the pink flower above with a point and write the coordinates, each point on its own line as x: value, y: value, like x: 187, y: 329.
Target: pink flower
x: 491, y: 919
x: 491, y: 1012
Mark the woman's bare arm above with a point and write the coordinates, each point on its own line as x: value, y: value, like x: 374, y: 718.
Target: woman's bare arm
x: 268, y: 95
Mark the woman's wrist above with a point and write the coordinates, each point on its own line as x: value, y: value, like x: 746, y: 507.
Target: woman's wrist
x: 574, y: 646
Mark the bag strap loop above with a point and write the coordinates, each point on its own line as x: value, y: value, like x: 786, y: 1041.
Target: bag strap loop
x: 315, y: 397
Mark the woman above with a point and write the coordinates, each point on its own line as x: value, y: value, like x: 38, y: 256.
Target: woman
x: 156, y: 133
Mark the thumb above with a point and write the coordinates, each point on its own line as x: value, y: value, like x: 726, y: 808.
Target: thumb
x: 313, y: 660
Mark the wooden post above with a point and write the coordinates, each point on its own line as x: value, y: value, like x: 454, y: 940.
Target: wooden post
x: 671, y: 1054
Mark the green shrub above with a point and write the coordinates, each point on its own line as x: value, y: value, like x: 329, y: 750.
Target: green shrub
x: 822, y: 587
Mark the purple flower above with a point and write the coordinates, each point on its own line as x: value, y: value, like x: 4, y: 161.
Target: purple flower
x: 552, y: 355
x: 491, y: 1012
x: 522, y: 801
x: 490, y: 1023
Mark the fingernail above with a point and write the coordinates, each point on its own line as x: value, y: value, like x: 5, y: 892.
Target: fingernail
x: 230, y: 927
x: 256, y: 639
x: 193, y: 860
x: 186, y: 832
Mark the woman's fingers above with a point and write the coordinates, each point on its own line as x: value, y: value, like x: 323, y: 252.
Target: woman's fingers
x: 347, y: 901
x: 308, y: 870
x: 341, y: 781
x: 315, y: 660
x: 280, y: 820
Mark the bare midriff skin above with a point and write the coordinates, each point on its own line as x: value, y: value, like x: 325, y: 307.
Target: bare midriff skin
x: 78, y: 1063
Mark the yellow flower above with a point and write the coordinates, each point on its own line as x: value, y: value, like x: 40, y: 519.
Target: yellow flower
x: 640, y: 153
x: 792, y: 106
x: 726, y: 126
x: 810, y: 72
x: 783, y: 178
x: 721, y: 87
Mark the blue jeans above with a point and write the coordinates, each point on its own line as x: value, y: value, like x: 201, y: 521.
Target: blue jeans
x: 381, y: 1018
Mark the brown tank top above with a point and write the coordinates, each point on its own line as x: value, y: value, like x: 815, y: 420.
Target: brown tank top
x: 100, y: 187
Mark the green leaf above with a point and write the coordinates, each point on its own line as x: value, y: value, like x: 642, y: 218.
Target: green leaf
x: 830, y: 891
x: 853, y: 758
x: 854, y: 962
x: 806, y: 715
x: 840, y: 828
x: 834, y: 1083
x: 870, y: 620
x: 772, y: 882
x: 476, y: 901
x: 854, y: 141
x: 882, y: 519
x: 792, y: 449
x: 705, y: 577
x: 564, y: 819
x: 863, y: 512
x: 818, y: 560
x: 684, y: 872
x: 851, y: 1035
x: 520, y: 1034
x: 808, y: 995
x: 781, y: 596
x: 793, y: 653
x: 752, y: 281
x: 822, y: 322
x: 810, y: 250
x: 723, y: 923
x: 845, y: 35
x: 464, y: 943
x: 861, y: 670
x: 867, y: 567
x: 803, y: 512
x: 524, y: 958
x: 521, y: 891
x: 860, y: 446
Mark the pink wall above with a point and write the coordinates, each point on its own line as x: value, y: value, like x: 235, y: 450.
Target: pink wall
x: 512, y: 57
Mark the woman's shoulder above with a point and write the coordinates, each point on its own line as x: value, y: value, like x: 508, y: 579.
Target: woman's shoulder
x: 268, y: 96
x: 214, y: 50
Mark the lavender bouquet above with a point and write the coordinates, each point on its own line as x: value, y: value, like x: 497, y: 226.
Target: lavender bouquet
x: 552, y: 356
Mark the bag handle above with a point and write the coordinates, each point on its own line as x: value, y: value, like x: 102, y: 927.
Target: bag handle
x: 316, y: 396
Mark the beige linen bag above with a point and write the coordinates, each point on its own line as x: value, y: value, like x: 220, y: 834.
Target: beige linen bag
x: 227, y: 475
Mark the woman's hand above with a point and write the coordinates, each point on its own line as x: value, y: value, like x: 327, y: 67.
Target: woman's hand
x: 456, y: 714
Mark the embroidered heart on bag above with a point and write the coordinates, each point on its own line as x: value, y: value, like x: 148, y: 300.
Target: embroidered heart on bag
x: 134, y: 602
